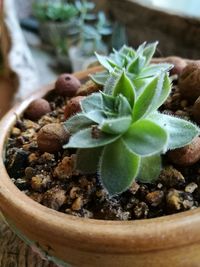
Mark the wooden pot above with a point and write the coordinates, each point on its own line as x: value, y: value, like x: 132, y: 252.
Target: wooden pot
x: 167, y: 241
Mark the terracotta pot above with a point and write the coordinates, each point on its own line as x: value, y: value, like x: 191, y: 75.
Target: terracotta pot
x: 167, y: 241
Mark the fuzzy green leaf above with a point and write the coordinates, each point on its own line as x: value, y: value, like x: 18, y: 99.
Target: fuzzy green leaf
x: 152, y: 96
x: 85, y: 139
x: 108, y: 102
x: 113, y: 63
x: 99, y: 78
x: 96, y: 116
x: 77, y: 123
x: 118, y: 167
x: 145, y: 138
x: 139, y: 85
x: 92, y: 102
x: 140, y: 48
x: 125, y: 87
x: 123, y: 106
x: 116, y: 126
x: 166, y: 89
x: 111, y: 82
x: 149, y: 51
x: 104, y: 62
x: 87, y: 160
x: 181, y: 132
x: 154, y: 70
x: 125, y: 50
x: 150, y: 168
x: 146, y: 99
x: 117, y: 58
x: 136, y: 65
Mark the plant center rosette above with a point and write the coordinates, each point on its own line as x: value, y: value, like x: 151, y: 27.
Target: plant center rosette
x: 123, y: 152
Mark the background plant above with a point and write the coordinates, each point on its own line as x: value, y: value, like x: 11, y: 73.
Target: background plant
x: 97, y: 33
x: 54, y: 11
x: 92, y: 28
x: 120, y: 133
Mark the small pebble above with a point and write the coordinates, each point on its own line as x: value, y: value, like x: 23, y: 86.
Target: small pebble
x: 29, y: 133
x: 47, y: 156
x: 191, y: 187
x: 29, y: 172
x: 67, y: 85
x: 141, y: 210
x: 73, y: 106
x: 51, y: 137
x: 182, y: 114
x: 37, y: 109
x: 155, y: 198
x: 184, y: 103
x: 65, y: 168
x: 159, y: 185
x: 134, y: 188
x: 32, y: 157
x: 189, y: 82
x: 179, y: 65
x: 15, y: 132
x: 28, y: 124
x: 179, y: 200
x: 88, y: 88
x: 196, y: 110
x: 171, y: 177
x: 36, y: 183
x: 40, y: 182
x: 77, y: 204
x: 187, y: 155
x: 32, y: 146
x: 54, y: 198
x: 74, y: 192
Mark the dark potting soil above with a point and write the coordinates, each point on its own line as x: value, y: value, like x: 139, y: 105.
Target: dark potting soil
x: 51, y: 180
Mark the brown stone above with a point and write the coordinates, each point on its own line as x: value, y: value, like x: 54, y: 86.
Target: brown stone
x: 65, y: 168
x: 171, y: 177
x: 54, y: 198
x: 67, y: 85
x: 73, y: 106
x: 196, y: 110
x: 88, y: 88
x: 155, y: 198
x: 187, y: 155
x: 179, y: 200
x: 51, y: 137
x: 189, y: 82
x: 37, y: 109
x: 77, y: 204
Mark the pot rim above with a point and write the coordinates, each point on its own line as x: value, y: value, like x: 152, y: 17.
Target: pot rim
x: 122, y: 237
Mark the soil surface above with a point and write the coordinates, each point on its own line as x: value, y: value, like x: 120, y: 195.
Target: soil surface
x: 51, y: 179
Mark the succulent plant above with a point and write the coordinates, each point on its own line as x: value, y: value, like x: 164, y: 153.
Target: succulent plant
x: 120, y: 134
x: 136, y: 64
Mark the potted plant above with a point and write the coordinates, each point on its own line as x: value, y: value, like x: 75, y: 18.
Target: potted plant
x: 55, y: 17
x: 103, y: 131
x: 92, y: 28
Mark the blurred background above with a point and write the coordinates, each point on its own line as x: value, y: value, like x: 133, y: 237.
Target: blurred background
x: 41, y: 38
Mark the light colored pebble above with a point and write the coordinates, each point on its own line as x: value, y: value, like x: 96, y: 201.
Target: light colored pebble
x: 191, y: 187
